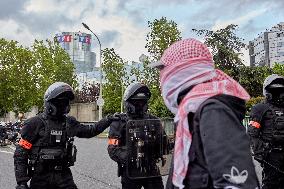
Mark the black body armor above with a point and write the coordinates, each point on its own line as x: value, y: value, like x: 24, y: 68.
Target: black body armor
x: 54, y: 148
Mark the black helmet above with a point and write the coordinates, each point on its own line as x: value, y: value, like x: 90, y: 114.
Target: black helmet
x: 136, y: 98
x: 273, y: 88
x: 57, y: 99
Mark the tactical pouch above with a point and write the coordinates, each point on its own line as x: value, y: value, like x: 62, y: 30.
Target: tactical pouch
x: 31, y: 167
x: 71, y: 154
x: 50, y: 155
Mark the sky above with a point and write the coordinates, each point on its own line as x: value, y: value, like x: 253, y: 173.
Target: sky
x: 123, y: 24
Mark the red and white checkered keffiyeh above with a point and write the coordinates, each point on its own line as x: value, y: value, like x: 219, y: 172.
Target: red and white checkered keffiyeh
x: 189, y: 63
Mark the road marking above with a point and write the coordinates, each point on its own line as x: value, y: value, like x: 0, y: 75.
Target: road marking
x: 6, y: 152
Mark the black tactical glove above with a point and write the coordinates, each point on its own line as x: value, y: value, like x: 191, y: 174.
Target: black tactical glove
x: 114, y: 117
x: 22, y: 186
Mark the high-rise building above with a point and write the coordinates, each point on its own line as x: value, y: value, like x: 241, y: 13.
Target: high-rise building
x: 78, y: 46
x: 268, y: 48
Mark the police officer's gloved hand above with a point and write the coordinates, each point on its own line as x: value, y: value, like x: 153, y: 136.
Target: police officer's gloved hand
x: 22, y: 186
x: 114, y: 117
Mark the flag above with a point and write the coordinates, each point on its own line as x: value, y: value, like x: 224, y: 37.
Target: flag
x: 67, y: 38
x: 81, y: 38
x: 87, y: 40
x: 59, y: 38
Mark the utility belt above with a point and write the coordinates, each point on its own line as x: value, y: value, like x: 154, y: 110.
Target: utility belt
x: 51, y: 159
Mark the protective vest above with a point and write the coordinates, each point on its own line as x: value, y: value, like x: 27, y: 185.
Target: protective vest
x: 273, y: 125
x: 53, y: 148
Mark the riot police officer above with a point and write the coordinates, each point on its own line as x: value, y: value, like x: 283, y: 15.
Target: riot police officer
x: 267, y: 132
x: 136, y: 98
x: 46, y: 151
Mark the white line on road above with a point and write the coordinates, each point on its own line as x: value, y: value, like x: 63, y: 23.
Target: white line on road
x: 6, y: 152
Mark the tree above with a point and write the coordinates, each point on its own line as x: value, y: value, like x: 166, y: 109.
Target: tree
x: 16, y: 85
x: 226, y: 47
x: 88, y: 93
x: 278, y: 69
x: 115, y: 77
x: 252, y: 78
x: 25, y: 73
x: 52, y: 64
x: 162, y: 34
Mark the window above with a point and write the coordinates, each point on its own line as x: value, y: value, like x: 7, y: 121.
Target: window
x: 280, y: 53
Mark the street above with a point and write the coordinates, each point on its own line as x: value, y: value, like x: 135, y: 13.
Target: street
x: 93, y: 169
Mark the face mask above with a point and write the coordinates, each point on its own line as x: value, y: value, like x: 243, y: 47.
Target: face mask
x: 139, y: 105
x: 62, y: 105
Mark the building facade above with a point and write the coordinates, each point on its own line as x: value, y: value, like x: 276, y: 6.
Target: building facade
x: 78, y: 46
x: 268, y: 48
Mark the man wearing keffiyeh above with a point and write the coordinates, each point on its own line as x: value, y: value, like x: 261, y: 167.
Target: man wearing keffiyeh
x: 211, y: 147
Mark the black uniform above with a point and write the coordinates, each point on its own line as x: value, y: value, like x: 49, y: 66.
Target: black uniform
x: 136, y: 107
x: 267, y: 133
x: 46, y: 151
x: 219, y: 156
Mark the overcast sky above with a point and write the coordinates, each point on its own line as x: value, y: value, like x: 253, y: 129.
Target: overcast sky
x: 122, y: 24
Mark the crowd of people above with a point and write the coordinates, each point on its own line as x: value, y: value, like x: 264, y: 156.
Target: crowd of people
x: 211, y: 148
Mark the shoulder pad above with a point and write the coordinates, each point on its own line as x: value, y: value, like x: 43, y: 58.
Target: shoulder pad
x: 257, y: 111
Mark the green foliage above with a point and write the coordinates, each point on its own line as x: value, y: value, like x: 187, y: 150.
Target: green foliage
x: 162, y: 34
x: 278, y: 69
x: 253, y: 101
x: 113, y: 67
x: 88, y: 93
x: 226, y: 47
x: 26, y: 73
x: 252, y: 78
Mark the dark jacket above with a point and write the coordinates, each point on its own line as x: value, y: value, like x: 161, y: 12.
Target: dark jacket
x: 33, y: 132
x: 266, y: 128
x: 220, y: 155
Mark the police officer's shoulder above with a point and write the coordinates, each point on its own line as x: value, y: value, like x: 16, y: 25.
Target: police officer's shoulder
x: 33, y: 122
x: 31, y: 128
x: 259, y: 107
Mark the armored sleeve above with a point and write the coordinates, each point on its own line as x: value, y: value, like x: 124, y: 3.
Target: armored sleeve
x: 116, y: 149
x: 255, y: 127
x: 226, y: 148
x: 29, y: 134
x: 86, y: 131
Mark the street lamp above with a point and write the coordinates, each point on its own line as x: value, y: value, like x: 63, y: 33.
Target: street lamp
x: 100, y: 101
